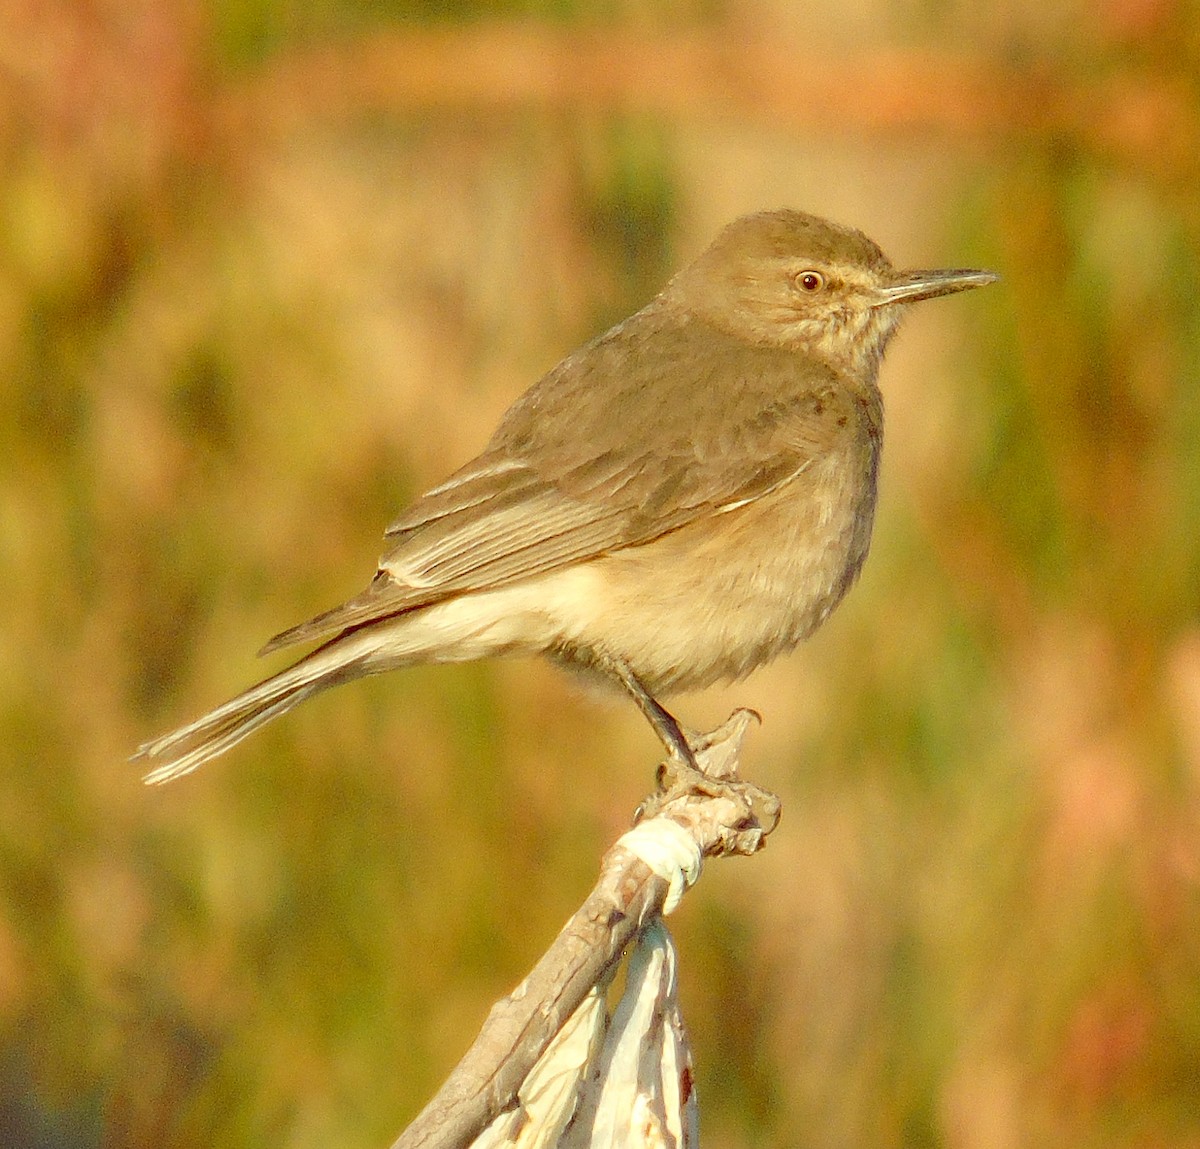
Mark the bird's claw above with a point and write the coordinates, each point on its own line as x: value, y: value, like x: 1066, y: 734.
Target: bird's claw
x: 711, y: 772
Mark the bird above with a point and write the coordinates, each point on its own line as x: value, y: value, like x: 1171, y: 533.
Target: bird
x: 676, y: 503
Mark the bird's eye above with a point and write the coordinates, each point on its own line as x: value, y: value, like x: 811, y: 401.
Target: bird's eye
x: 810, y: 281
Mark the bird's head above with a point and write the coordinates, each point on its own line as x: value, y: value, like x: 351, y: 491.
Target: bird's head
x: 792, y: 280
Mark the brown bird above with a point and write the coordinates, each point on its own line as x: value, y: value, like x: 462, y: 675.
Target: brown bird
x: 679, y: 501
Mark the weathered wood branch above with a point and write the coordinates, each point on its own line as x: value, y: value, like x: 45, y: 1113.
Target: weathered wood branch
x: 631, y: 892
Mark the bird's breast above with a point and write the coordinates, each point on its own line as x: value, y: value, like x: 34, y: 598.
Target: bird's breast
x: 721, y: 596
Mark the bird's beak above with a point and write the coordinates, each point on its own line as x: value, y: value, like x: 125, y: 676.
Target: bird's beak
x: 913, y: 285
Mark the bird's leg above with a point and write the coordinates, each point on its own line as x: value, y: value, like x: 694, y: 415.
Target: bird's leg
x: 685, y: 772
x: 682, y: 775
x: 664, y: 722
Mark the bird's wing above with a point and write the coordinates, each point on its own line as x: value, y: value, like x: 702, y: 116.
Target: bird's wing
x: 559, y: 487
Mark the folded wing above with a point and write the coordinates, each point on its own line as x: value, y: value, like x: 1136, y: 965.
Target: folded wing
x: 530, y: 504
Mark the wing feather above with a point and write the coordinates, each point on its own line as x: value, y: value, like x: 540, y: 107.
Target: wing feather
x: 587, y: 462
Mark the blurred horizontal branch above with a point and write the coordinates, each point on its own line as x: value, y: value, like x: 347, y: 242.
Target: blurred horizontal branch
x: 1150, y: 121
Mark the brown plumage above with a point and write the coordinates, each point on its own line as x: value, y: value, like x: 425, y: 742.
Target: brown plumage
x: 677, y: 502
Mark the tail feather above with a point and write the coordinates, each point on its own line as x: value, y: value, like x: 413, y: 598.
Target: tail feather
x: 181, y: 751
x: 383, y: 599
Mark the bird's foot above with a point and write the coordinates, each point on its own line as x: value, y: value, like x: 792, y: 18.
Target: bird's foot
x: 709, y: 770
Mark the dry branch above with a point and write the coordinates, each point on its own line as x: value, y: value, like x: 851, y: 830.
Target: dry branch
x: 627, y: 897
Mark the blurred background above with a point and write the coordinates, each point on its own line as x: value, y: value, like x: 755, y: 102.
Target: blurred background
x: 270, y: 268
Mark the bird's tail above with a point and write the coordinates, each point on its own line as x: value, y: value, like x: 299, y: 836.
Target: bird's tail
x: 342, y: 659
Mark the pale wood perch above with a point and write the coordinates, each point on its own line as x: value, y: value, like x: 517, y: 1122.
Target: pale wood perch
x: 734, y: 819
